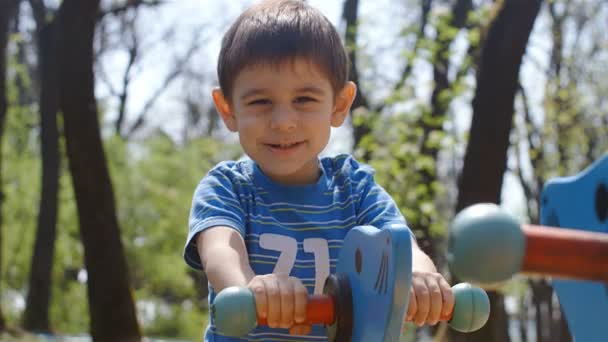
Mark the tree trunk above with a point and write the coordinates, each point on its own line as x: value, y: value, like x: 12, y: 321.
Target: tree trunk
x: 111, y: 304
x: 350, y: 14
x: 7, y: 11
x: 493, y: 106
x: 36, y: 316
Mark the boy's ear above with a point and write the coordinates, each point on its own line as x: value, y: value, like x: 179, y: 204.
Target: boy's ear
x: 223, y: 108
x: 344, y: 101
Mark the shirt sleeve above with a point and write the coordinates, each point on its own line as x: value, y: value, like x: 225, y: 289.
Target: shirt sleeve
x: 215, y: 203
x: 377, y: 208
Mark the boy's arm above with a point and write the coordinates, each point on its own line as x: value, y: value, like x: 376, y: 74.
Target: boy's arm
x: 431, y: 297
x: 279, y: 298
x: 224, y: 257
x: 421, y: 261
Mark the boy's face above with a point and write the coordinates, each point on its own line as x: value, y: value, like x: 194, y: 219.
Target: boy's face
x: 283, y: 115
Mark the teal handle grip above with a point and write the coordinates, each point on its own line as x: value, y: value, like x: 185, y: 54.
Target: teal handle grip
x: 471, y: 308
x: 234, y: 311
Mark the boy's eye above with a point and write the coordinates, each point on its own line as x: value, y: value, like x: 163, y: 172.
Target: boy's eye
x: 259, y: 102
x: 304, y: 99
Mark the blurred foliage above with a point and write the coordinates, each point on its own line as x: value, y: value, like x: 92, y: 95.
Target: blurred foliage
x: 394, y: 145
x: 153, y: 180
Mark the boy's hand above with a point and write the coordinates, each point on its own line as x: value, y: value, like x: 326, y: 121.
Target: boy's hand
x: 281, y: 299
x: 431, y: 299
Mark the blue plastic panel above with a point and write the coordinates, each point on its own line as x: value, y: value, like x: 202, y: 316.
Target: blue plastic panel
x: 378, y: 264
x: 581, y: 202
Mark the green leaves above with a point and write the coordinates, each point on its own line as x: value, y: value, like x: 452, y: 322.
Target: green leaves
x: 154, y: 182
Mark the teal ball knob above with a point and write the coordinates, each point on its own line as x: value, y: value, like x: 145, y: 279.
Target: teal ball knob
x: 471, y: 308
x: 233, y: 311
x: 485, y: 245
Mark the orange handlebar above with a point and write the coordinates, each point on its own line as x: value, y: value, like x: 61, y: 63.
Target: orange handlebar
x: 320, y: 309
x: 566, y: 253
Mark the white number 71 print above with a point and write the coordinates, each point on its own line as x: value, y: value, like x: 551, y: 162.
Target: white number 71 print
x: 288, y: 248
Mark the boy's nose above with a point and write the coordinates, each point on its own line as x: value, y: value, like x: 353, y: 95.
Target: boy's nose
x: 283, y: 118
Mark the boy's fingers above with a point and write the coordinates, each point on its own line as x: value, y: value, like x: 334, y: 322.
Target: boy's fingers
x: 436, y: 300
x: 274, y: 301
x: 261, y: 301
x: 287, y: 302
x: 300, y: 300
x: 448, y: 299
x: 412, y: 306
x: 424, y: 302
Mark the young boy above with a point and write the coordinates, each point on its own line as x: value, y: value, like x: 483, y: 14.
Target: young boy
x: 275, y: 222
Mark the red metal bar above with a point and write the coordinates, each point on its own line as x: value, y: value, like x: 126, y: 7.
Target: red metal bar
x: 320, y: 309
x: 566, y: 253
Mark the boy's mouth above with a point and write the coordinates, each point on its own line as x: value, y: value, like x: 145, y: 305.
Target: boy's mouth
x: 285, y: 146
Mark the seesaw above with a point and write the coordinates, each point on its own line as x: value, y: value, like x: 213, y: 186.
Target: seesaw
x: 486, y: 245
x: 365, y: 300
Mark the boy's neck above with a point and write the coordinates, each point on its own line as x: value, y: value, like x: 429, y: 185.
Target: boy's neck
x: 300, y: 178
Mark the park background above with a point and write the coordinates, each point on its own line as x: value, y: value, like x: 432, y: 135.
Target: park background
x: 106, y: 127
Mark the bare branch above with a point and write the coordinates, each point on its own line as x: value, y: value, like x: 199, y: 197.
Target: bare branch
x: 529, y: 193
x: 126, y: 79
x: 39, y: 11
x: 177, y: 70
x: 117, y: 10
x: 101, y: 75
x: 425, y: 6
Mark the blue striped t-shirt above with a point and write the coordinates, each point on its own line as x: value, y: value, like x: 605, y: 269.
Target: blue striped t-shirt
x: 297, y: 230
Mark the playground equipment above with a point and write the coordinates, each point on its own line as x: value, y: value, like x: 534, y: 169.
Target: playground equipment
x: 365, y: 300
x: 487, y: 246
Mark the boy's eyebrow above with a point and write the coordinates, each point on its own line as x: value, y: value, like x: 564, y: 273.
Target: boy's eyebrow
x: 261, y: 91
x: 311, y: 89
x: 253, y: 92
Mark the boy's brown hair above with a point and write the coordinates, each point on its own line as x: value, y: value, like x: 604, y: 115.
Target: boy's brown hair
x: 274, y: 31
